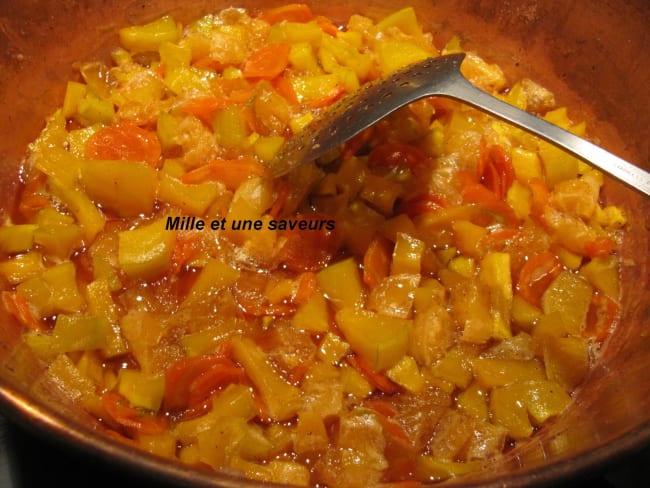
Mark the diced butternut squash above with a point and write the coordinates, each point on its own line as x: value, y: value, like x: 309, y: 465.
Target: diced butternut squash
x: 296, y: 32
x: 54, y: 290
x: 570, y: 295
x: 407, y: 255
x: 63, y: 373
x: 545, y: 399
x: 404, y: 19
x: 380, y: 192
x: 313, y: 315
x: 149, y: 37
x: 174, y: 56
x: 603, y: 274
x: 523, y: 313
x: 382, y: 341
x: 550, y: 325
x: 22, y: 267
x: 473, y: 401
x: 126, y: 187
x: 407, y: 374
x: 141, y: 390
x: 310, y: 435
x: 206, y: 341
x: 393, y: 54
x: 566, y: 360
x: 100, y: 302
x: 511, y: 405
x: 222, y: 444
x: 88, y: 216
x: 267, y: 147
x: 59, y: 241
x: 312, y: 88
x: 354, y: 383
x: 94, y: 110
x: 487, y: 76
x: 145, y: 252
x: 471, y: 305
x: 558, y: 165
x: 519, y: 198
x: 454, y: 367
x: 167, y: 129
x: 299, y: 123
x: 559, y: 117
x: 517, y: 96
x: 335, y: 53
x: 430, y: 293
x: 493, y: 372
x: 163, y: 444
x: 38, y: 294
x: 70, y: 333
x: 235, y: 401
x: 468, y: 236
x: 143, y: 331
x: 191, y: 199
x: 17, y: 238
x: 569, y: 259
x: 332, y: 348
x: 214, y: 276
x: 90, y: 365
x: 189, y: 81
x: 103, y: 270
x: 496, y: 275
x: 393, y: 295
x: 508, y: 409
x: 611, y: 216
x: 251, y: 199
x: 302, y: 57
x: 281, y: 398
x: 526, y: 164
x: 341, y: 283
x: 230, y: 127
x: 74, y: 93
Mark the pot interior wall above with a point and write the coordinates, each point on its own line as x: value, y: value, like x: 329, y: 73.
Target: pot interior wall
x: 592, y: 54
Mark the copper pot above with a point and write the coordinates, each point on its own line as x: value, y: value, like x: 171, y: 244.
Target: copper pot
x: 593, y: 54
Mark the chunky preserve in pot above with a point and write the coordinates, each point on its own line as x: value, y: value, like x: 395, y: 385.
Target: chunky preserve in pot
x: 406, y: 308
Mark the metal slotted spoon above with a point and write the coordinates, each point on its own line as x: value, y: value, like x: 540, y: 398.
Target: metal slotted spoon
x: 439, y: 76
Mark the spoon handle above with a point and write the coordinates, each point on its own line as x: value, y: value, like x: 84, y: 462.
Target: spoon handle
x: 461, y: 89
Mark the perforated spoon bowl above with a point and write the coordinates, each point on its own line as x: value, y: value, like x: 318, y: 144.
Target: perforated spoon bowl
x: 439, y: 76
